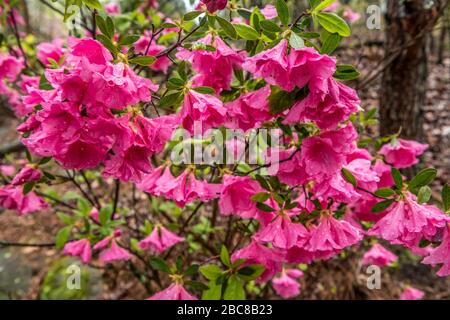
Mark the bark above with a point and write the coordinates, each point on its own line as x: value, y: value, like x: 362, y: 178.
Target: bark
x: 403, y: 90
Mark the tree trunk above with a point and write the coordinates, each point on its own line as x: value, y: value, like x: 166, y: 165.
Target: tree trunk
x: 403, y: 90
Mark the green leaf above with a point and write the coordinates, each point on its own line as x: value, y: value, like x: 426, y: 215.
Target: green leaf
x: 214, y: 292
x: 225, y: 256
x: 296, y: 41
x: 283, y: 12
x: 227, y: 27
x: 83, y: 207
x: 446, y: 197
x: 191, y: 15
x: 261, y: 197
x: 246, y: 32
x: 264, y: 207
x: 170, y: 100
x: 143, y: 60
x: 93, y: 4
x: 129, y: 40
x: 324, y: 4
x: 383, y: 205
x: 280, y: 100
x: 330, y: 43
x: 269, y: 26
x: 179, y: 264
x: 384, y: 192
x: 191, y: 270
x: 423, y: 178
x: 107, y: 43
x: 62, y: 237
x: 168, y: 25
x: 27, y: 187
x: 101, y: 24
x: 65, y: 218
x: 197, y: 285
x: 44, y: 84
x: 349, y: 177
x: 211, y: 271
x: 398, y: 179
x: 346, y: 72
x: 159, y: 264
x: 333, y: 23
x: 105, y: 214
x: 424, y: 194
x: 204, y: 90
x: 235, y: 289
x: 251, y: 272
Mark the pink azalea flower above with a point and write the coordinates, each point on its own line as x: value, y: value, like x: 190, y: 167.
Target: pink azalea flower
x: 441, y: 255
x: 294, y: 273
x: 402, y: 153
x: 250, y: 110
x: 157, y: 131
x: 272, y: 65
x: 337, y: 188
x: 256, y: 253
x: 308, y: 67
x: 328, y: 110
x: 13, y: 198
x: 27, y: 174
x: 291, y: 172
x: 269, y: 12
x: 114, y: 253
x: 10, y: 67
x: 7, y: 170
x: 379, y: 256
x: 407, y: 222
x: 160, y: 240
x: 50, y: 50
x: 351, y: 15
x: 149, y: 181
x: 162, y: 63
x: 112, y: 8
x: 214, y: 5
x: 90, y: 49
x: 285, y: 286
x: 214, y: 68
x: 174, y: 292
x: 80, y: 248
x: 412, y: 294
x: 384, y: 173
x: 202, y: 111
x: 236, y: 196
x: 330, y: 236
x: 282, y: 233
x: 366, y: 177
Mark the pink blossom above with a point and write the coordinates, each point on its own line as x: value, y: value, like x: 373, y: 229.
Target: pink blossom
x: 351, y: 15
x: 156, y: 132
x: 7, y: 170
x: 112, y: 8
x: 13, y: 198
x: 202, y: 111
x: 250, y: 110
x: 256, y: 253
x: 308, y: 67
x: 407, y: 222
x: 379, y: 256
x: 327, y: 111
x: 411, y: 293
x: 214, y: 5
x: 402, y: 153
x: 285, y: 286
x: 214, y: 68
x: 294, y: 273
x: 149, y: 181
x: 50, y: 50
x: 336, y: 188
x: 161, y: 64
x: 92, y: 50
x: 27, y: 174
x: 441, y: 255
x: 282, y: 233
x: 269, y: 12
x: 384, y: 173
x: 10, y: 67
x: 236, y: 196
x: 272, y: 65
x: 160, y: 240
x: 174, y: 292
x: 80, y: 248
x: 291, y: 172
x: 332, y: 235
x: 366, y: 177
x: 114, y: 253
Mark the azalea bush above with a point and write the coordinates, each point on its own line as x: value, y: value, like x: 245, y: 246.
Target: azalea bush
x: 212, y: 155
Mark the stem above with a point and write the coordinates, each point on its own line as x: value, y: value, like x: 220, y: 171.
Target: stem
x: 17, y: 36
x: 116, y: 196
x: 19, y: 244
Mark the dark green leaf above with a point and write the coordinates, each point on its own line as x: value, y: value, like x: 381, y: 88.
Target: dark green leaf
x: 384, y: 192
x: 398, y: 179
x: 383, y: 205
x: 270, y: 26
x: 191, y: 15
x: 423, y: 178
x: 170, y: 100
x: 264, y: 207
x: 204, y: 90
x: 227, y: 27
x: 143, y: 60
x: 261, y: 197
x: 246, y: 32
x: 191, y: 270
x: 129, y: 40
x: 330, y: 43
x: 283, y: 12
x: 346, y: 72
x: 446, y: 197
x: 159, y: 264
x: 349, y: 177
x: 333, y: 23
